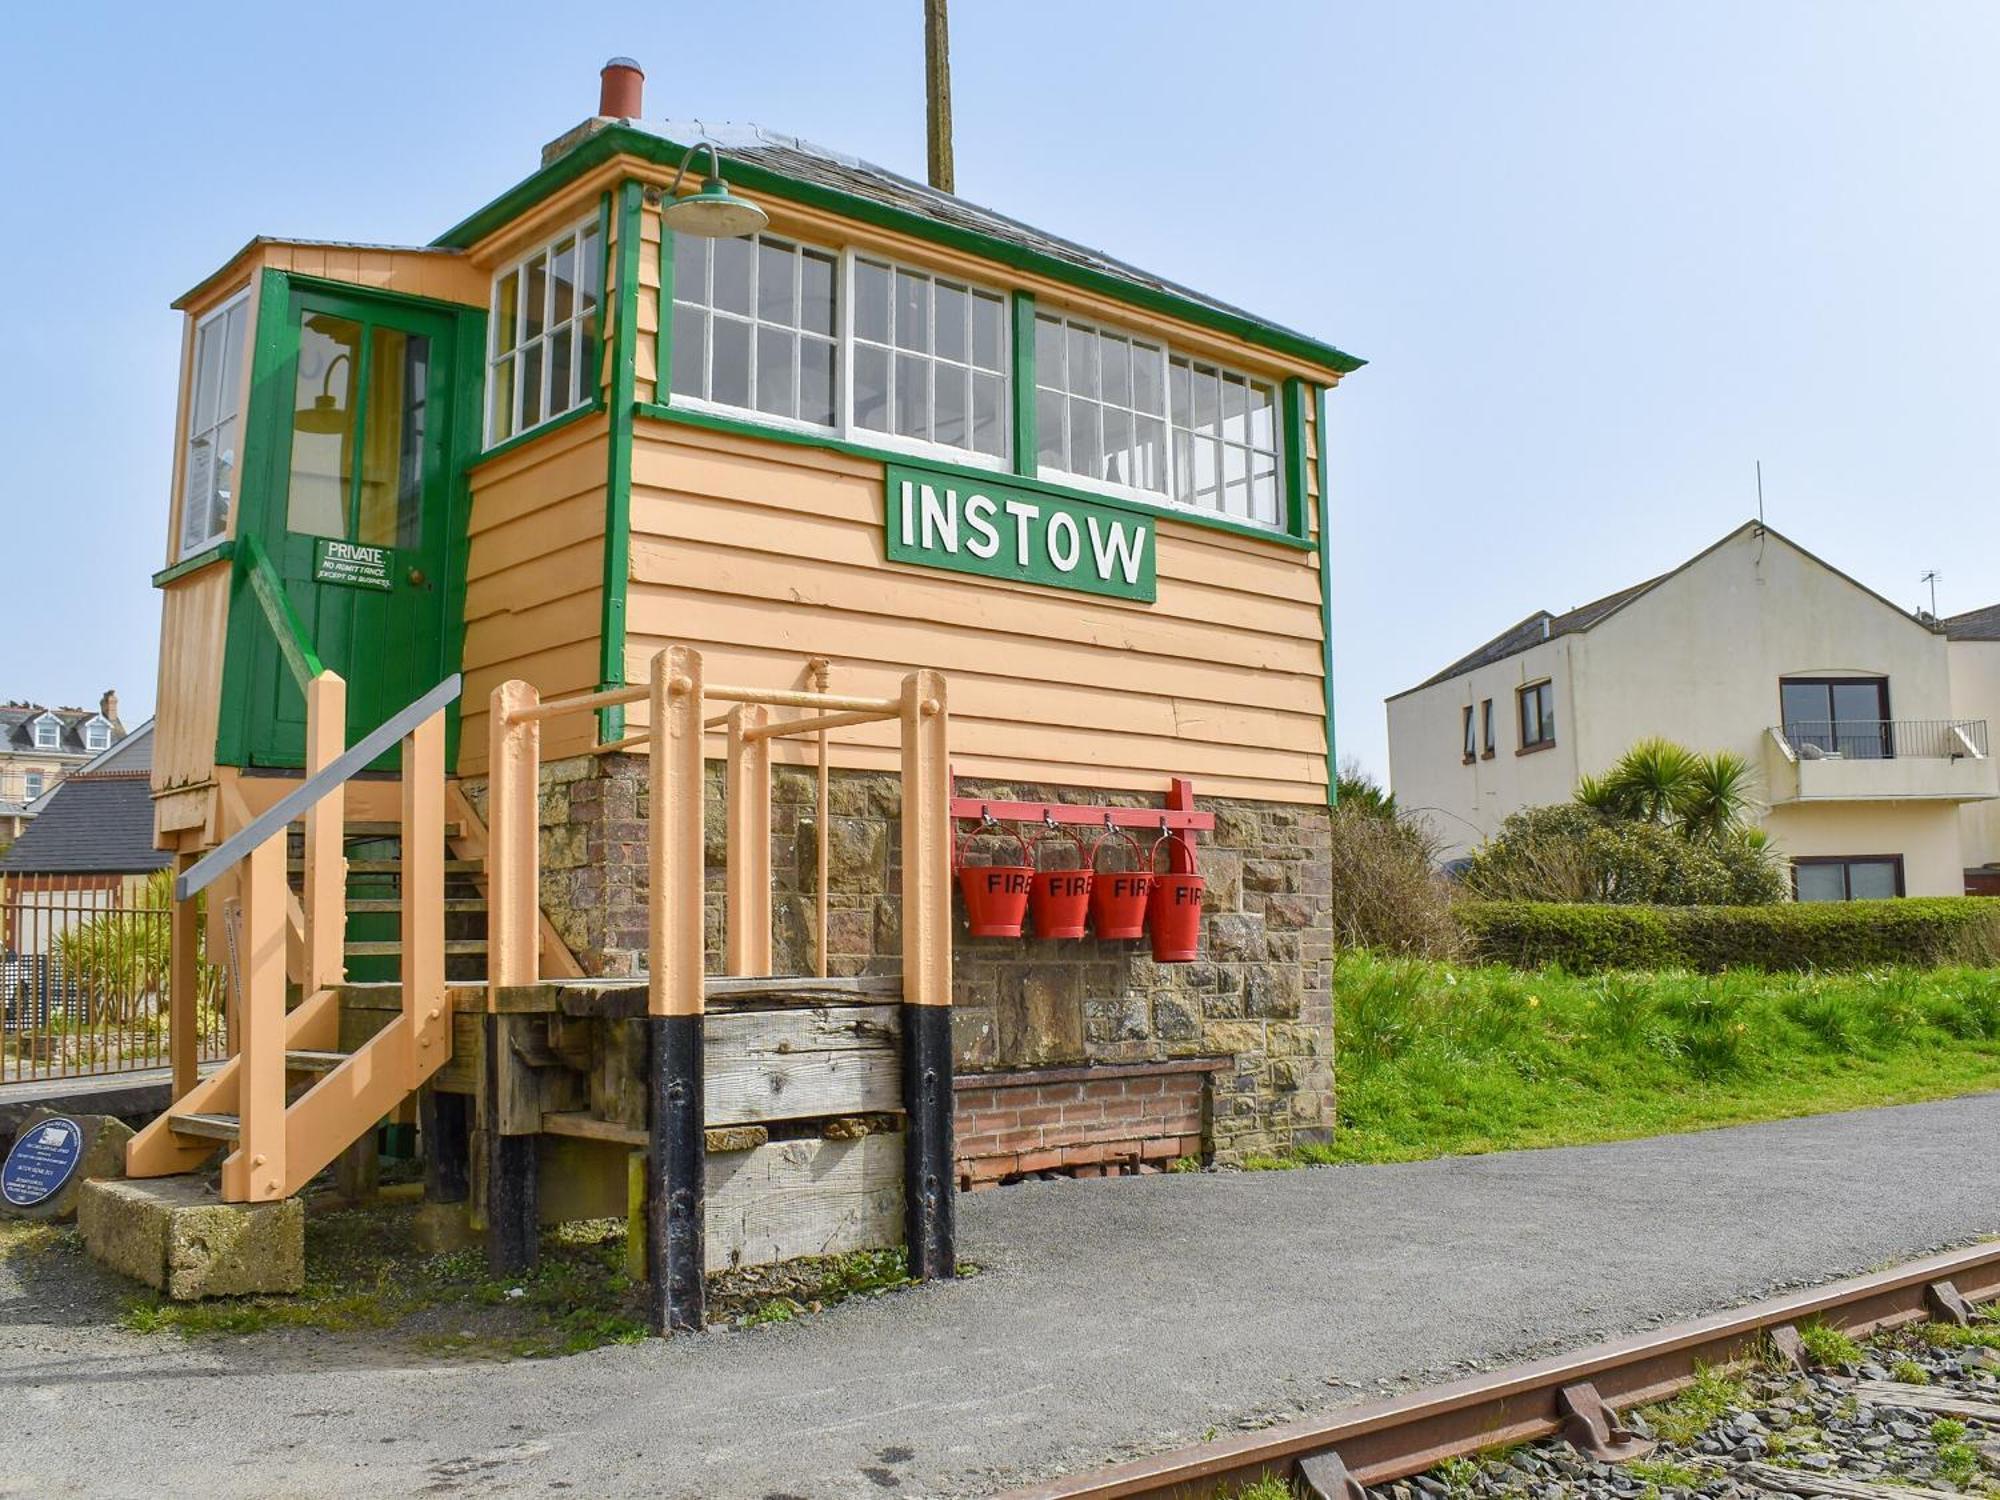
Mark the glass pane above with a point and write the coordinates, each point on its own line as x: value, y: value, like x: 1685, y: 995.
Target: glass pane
x: 1871, y: 880
x: 913, y: 396
x: 729, y: 372
x: 777, y: 282
x: 988, y: 321
x: 989, y: 414
x: 1205, y: 398
x: 323, y: 425
x: 562, y: 277
x: 1117, y: 445
x: 1049, y: 448
x: 590, y: 271
x: 952, y: 401
x: 1263, y: 416
x: 734, y: 260
x: 777, y: 351
x: 207, y: 377
x: 816, y: 366
x: 506, y: 310
x: 1208, y: 472
x: 1235, y: 480
x: 1115, y: 362
x: 500, y: 401
x: 1084, y: 447
x: 1235, y: 410
x: 1183, y: 466
x: 691, y: 269
x: 1177, y: 380
x: 1049, y: 355
x: 390, y: 511
x: 1147, y: 376
x: 953, y: 316
x: 534, y: 297
x: 871, y: 301
x: 562, y: 370
x: 871, y: 387
x: 816, y: 293
x: 1820, y: 882
x: 1149, y: 454
x: 1808, y: 710
x: 221, y: 480
x: 532, y: 410
x: 913, y: 311
x: 1264, y: 497
x: 690, y: 351
x: 1082, y: 347
x: 1857, y: 717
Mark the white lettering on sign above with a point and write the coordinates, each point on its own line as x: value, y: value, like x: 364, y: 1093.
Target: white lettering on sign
x: 1001, y: 535
x: 1108, y: 546
x: 1023, y: 513
x: 940, y: 518
x: 985, y: 541
x: 1063, y: 552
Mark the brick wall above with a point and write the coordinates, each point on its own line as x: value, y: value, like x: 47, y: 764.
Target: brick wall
x: 1087, y: 1122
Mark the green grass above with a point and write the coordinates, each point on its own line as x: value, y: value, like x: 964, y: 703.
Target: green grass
x: 1445, y: 1059
x: 1685, y: 1418
x: 1262, y: 1489
x: 1827, y: 1346
x: 1909, y: 1372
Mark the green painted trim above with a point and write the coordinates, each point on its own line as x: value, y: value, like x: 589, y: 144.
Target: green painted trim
x: 618, y: 463
x: 1295, y: 456
x: 1027, y: 440
x: 286, y: 626
x: 679, y: 416
x: 468, y: 432
x: 521, y: 439
x: 616, y: 139
x: 1326, y: 595
x: 221, y: 552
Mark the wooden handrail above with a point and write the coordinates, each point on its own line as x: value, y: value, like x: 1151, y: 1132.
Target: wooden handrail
x: 550, y: 708
x: 286, y: 627
x: 817, y: 724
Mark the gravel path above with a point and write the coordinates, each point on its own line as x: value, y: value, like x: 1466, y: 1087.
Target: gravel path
x: 1112, y: 1318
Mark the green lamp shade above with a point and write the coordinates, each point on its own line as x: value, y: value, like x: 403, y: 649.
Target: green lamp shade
x: 714, y: 213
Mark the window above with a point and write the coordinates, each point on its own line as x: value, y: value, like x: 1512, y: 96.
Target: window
x: 1486, y: 728
x: 1874, y: 877
x: 1100, y: 405
x: 1538, y: 716
x: 33, y: 783
x: 48, y: 733
x: 930, y: 359
x: 542, y: 344
x: 1225, y: 441
x: 97, y: 735
x: 1470, y: 754
x: 754, y: 326
x: 208, y: 468
x: 1844, y: 716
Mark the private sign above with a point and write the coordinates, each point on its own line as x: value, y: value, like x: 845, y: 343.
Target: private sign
x: 1001, y: 528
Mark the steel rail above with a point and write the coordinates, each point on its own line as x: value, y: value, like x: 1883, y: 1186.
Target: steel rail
x: 1379, y: 1441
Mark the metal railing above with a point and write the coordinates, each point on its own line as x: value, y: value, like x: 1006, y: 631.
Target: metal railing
x: 1884, y: 739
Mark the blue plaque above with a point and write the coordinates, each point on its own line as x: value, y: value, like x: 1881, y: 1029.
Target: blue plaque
x: 42, y: 1162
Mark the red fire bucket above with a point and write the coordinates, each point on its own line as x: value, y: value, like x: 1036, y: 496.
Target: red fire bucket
x: 1175, y: 904
x: 1059, y: 899
x: 996, y: 896
x: 1118, y: 897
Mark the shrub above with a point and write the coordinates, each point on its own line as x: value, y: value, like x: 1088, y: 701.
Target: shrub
x: 1922, y: 931
x: 1573, y: 852
x: 1386, y: 892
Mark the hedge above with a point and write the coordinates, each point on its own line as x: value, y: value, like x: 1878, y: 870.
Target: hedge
x: 1924, y: 931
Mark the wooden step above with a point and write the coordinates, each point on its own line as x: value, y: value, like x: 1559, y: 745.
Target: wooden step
x: 363, y: 828
x: 395, y: 903
x: 392, y: 949
x: 394, y: 866
x: 313, y: 1062
x: 214, y: 1127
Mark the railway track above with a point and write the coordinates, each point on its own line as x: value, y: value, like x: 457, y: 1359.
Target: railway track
x: 1577, y: 1396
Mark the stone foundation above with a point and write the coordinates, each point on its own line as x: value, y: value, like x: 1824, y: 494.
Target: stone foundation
x: 1103, y: 1120
x: 1259, y: 996
x: 175, y: 1235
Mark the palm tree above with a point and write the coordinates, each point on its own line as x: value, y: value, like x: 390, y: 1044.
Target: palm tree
x: 1652, y: 781
x: 1719, y: 795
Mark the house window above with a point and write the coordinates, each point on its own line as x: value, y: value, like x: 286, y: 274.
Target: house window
x: 1100, y: 405
x: 1874, y: 877
x: 1225, y: 441
x: 1844, y: 716
x: 96, y: 735
x: 541, y: 341
x: 755, y: 325
x: 930, y: 359
x: 208, y: 468
x: 1486, y: 728
x: 33, y: 783
x: 48, y: 733
x: 1470, y: 754
x: 1538, y: 715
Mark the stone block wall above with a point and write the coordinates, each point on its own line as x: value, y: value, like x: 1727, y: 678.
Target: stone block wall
x: 1259, y: 995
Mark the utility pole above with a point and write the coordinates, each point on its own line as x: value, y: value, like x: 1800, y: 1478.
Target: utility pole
x: 1932, y: 579
x: 937, y: 94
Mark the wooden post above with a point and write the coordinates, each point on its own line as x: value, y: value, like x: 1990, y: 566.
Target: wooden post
x: 424, y: 999
x: 937, y: 95
x: 183, y: 979
x: 675, y: 1204
x: 326, y: 821
x: 747, y: 924
x: 255, y: 1171
x: 822, y: 681
x: 442, y: 1119
x: 513, y: 1166
x: 513, y: 844
x: 929, y: 1179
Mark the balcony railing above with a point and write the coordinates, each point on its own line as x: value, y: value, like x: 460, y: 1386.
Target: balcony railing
x: 1883, y: 739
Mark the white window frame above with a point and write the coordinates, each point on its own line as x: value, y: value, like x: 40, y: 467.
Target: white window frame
x: 229, y: 410
x: 842, y: 295
x: 33, y: 784
x: 1252, y: 452
x: 584, y: 373
x: 843, y: 427
x: 54, y: 723
x: 97, y: 725
x: 1075, y: 481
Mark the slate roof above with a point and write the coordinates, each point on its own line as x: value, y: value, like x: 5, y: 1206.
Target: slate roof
x: 98, y: 823
x: 1973, y: 625
x: 17, y: 732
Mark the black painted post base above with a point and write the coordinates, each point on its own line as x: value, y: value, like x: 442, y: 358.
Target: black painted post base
x: 676, y: 1171
x: 445, y: 1122
x: 930, y: 1182
x: 513, y: 1174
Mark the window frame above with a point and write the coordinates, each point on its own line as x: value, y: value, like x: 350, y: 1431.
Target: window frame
x: 1090, y: 483
x: 1845, y: 863
x: 49, y: 721
x: 33, y: 784
x: 90, y: 729
x: 216, y: 535
x: 1544, y: 692
x: 592, y: 321
x: 1879, y: 681
x: 1467, y: 754
x: 1486, y: 728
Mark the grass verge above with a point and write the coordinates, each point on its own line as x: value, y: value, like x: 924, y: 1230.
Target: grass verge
x: 1447, y: 1059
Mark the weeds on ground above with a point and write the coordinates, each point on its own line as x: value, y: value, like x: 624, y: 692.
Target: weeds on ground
x: 28, y: 1237
x: 1663, y: 1475
x: 1262, y: 1489
x: 1909, y: 1372
x: 1827, y: 1346
x: 1696, y: 1409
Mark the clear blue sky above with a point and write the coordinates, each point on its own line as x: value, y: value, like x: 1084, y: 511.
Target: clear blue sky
x: 1601, y: 256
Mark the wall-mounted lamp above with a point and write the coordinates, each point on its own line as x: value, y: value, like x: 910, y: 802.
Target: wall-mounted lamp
x: 712, y: 212
x: 324, y: 416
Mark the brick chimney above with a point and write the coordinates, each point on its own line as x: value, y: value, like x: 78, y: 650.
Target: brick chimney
x: 107, y: 708
x: 621, y: 92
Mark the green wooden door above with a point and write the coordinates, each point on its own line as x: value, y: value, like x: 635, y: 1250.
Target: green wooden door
x: 357, y: 507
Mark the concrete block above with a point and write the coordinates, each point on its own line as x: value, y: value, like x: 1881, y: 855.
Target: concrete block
x: 175, y: 1235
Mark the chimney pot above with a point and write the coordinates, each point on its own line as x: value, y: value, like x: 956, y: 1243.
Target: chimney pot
x: 107, y: 707
x: 622, y: 92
